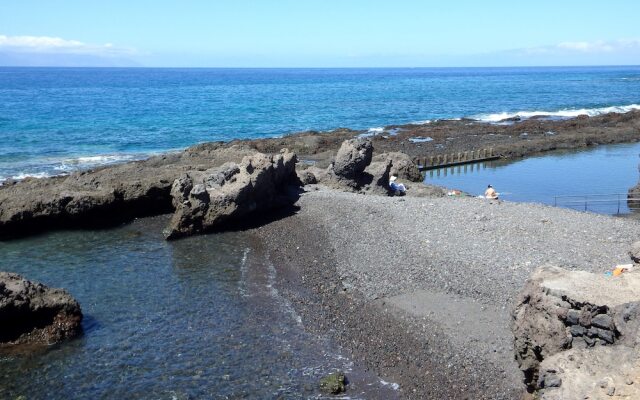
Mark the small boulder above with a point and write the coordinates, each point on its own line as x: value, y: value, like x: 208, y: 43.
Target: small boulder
x: 633, y: 197
x: 634, y: 252
x: 333, y: 383
x: 32, y: 313
x: 307, y: 177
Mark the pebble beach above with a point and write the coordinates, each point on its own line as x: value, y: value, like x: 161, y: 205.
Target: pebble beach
x: 420, y: 290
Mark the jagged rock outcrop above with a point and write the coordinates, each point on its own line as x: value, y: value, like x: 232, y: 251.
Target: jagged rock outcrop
x: 402, y: 166
x: 375, y: 178
x: 206, y: 200
x: 572, y: 329
x: 355, y: 168
x: 350, y: 162
x: 32, y: 313
x: 104, y: 196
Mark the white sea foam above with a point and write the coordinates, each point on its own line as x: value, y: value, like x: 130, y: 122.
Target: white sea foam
x: 380, y: 130
x: 566, y: 113
x: 31, y: 175
x: 423, y: 122
x: 372, y: 132
x: 70, y: 164
x: 392, y: 385
x: 420, y: 139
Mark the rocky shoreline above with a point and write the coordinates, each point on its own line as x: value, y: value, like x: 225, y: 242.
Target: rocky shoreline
x: 116, y: 194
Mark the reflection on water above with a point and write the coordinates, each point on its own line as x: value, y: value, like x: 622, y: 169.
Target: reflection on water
x: 196, y: 318
x: 563, y: 178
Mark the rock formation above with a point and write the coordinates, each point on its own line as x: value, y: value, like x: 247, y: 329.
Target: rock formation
x: 206, y: 200
x: 402, y: 166
x: 575, y: 330
x: 104, y: 196
x: 350, y: 162
x: 355, y: 168
x: 32, y: 313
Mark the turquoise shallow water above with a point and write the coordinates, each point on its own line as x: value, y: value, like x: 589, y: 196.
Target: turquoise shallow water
x: 603, y: 173
x: 54, y: 120
x: 191, y: 319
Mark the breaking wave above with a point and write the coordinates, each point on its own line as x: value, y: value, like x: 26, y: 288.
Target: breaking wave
x: 72, y: 164
x: 561, y: 114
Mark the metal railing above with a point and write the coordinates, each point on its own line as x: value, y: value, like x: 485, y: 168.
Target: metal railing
x: 584, y: 201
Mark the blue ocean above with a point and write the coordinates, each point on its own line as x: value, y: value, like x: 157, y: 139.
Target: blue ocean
x: 55, y: 120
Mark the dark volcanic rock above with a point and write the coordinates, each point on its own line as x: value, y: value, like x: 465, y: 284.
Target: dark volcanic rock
x: 537, y: 329
x: 353, y: 157
x: 208, y: 199
x: 633, y: 197
x: 560, y: 357
x: 112, y: 195
x: 32, y: 313
x: 355, y: 169
x: 634, y: 252
x: 307, y: 177
x: 402, y: 166
x: 105, y: 196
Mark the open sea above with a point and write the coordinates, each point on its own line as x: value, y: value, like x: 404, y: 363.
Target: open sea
x: 202, y: 318
x: 54, y: 120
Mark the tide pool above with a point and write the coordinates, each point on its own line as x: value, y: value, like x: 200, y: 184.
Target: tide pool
x: 603, y: 173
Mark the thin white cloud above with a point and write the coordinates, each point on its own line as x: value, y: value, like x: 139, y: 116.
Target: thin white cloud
x: 594, y: 47
x: 599, y: 46
x: 56, y: 45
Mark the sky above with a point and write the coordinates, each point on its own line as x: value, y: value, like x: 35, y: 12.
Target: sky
x: 319, y: 33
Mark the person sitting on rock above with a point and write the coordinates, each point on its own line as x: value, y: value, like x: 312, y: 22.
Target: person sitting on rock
x: 398, y: 188
x: 490, y: 193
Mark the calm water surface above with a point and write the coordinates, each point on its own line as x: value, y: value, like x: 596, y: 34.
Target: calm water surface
x: 603, y: 170
x: 195, y: 318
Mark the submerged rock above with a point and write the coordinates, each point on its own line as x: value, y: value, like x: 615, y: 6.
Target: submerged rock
x: 206, y: 200
x: 571, y: 328
x: 333, y: 383
x: 32, y: 313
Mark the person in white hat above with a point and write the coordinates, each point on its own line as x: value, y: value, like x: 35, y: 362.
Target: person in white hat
x: 398, y: 188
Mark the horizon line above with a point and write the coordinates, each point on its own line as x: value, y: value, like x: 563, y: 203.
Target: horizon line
x: 334, y: 67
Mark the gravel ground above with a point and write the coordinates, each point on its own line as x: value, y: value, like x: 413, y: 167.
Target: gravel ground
x: 468, y: 246
x: 431, y: 281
